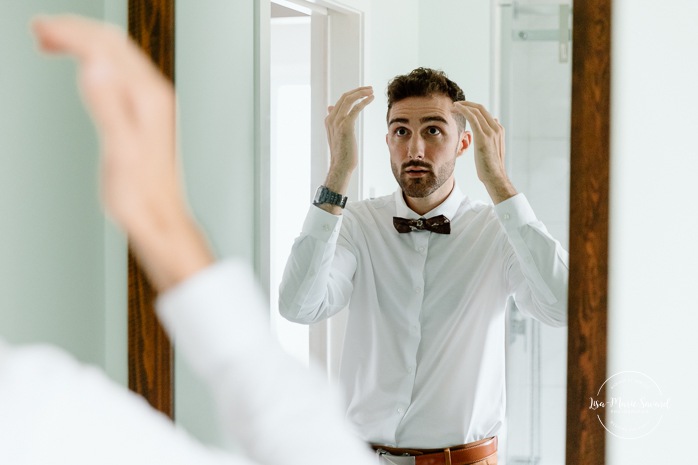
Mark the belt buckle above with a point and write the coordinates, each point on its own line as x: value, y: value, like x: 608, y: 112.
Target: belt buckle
x: 385, y: 458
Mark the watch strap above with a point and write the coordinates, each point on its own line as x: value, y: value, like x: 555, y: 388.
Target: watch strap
x: 326, y: 196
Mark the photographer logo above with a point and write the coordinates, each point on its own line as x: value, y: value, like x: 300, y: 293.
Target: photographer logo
x: 629, y: 404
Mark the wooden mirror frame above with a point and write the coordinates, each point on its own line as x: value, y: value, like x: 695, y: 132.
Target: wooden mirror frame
x: 589, y: 213
x: 151, y: 374
x: 151, y: 23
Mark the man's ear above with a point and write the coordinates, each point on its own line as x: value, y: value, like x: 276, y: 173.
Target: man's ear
x: 466, y: 138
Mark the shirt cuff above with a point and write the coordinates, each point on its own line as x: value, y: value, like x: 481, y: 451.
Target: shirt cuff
x: 322, y: 225
x: 523, y: 230
x: 515, y: 212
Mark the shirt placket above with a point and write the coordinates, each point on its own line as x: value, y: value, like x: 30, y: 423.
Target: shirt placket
x: 420, y: 245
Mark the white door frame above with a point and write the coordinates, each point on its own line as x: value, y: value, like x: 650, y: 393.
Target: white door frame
x: 337, y: 66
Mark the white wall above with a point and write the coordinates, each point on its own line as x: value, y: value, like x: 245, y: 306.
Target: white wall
x: 653, y: 313
x: 57, y: 248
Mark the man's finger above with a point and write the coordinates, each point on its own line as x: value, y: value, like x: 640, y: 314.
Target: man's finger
x: 116, y: 78
x: 473, y: 117
x: 95, y: 45
x: 88, y: 40
x: 360, y: 106
x: 479, y: 111
x: 106, y: 100
x: 75, y: 35
x: 348, y: 99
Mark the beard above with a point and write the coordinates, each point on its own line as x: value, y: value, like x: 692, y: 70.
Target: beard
x: 425, y: 185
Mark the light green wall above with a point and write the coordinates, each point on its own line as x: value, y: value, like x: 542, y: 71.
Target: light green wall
x: 215, y: 81
x: 54, y: 248
x: 116, y: 262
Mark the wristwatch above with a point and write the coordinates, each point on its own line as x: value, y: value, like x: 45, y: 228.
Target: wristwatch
x: 324, y: 195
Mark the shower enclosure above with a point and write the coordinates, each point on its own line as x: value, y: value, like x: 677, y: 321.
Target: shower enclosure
x: 532, y: 97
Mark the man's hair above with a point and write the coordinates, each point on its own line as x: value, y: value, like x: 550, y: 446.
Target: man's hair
x: 425, y: 82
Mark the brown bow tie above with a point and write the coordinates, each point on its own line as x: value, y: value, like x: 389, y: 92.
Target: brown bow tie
x: 438, y: 224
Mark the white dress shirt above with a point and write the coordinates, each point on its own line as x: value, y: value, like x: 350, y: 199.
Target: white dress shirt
x: 54, y: 410
x: 423, y: 361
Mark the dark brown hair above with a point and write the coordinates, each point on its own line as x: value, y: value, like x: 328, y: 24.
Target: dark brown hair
x: 424, y: 82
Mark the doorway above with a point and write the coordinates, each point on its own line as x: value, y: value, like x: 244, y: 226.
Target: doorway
x: 303, y: 80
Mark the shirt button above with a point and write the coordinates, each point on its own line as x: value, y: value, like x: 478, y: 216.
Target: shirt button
x: 420, y: 249
x: 506, y: 216
x: 417, y: 290
x: 410, y: 370
x: 399, y: 410
x: 326, y: 227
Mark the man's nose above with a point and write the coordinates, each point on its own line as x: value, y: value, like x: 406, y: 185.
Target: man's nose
x: 415, y: 148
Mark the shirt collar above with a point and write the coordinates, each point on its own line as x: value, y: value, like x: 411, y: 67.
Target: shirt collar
x: 448, y: 207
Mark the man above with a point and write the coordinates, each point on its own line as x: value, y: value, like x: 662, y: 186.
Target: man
x: 425, y: 273
x: 56, y: 411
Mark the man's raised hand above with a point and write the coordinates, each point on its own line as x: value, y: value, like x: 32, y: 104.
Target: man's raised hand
x: 488, y: 137
x: 341, y: 135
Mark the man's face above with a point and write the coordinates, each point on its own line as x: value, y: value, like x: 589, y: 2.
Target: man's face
x: 424, y: 142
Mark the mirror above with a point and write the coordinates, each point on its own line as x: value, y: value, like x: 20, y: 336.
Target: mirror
x: 535, y: 76
x: 527, y: 85
x: 524, y: 77
x: 538, y: 145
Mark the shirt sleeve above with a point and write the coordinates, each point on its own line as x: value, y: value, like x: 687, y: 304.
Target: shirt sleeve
x: 538, y: 270
x: 317, y: 280
x: 276, y: 409
x: 55, y: 410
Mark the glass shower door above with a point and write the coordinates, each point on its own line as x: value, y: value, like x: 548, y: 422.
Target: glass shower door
x: 534, y: 71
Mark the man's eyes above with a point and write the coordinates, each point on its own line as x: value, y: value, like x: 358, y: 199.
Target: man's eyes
x: 431, y: 130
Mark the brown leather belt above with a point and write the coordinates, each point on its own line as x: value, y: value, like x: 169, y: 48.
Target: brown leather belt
x: 456, y: 455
